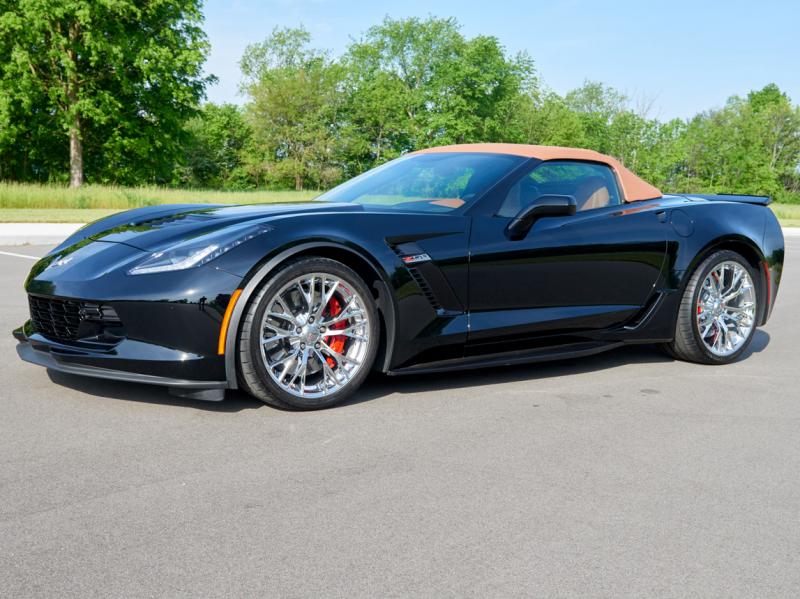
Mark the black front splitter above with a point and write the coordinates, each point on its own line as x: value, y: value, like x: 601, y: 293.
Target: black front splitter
x: 202, y: 390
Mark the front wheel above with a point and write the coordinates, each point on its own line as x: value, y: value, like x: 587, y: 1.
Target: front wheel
x: 309, y: 336
x: 717, y: 315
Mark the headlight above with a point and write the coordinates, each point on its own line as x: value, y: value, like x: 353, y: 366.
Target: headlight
x: 197, y: 251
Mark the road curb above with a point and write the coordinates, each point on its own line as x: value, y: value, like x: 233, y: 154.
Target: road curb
x: 51, y: 233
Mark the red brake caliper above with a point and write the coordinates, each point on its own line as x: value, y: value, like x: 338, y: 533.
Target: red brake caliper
x: 335, y: 342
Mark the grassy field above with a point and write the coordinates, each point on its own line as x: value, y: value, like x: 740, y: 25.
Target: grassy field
x: 788, y: 214
x: 58, y: 204
x: 40, y: 197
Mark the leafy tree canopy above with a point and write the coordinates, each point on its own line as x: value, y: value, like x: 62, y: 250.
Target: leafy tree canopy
x: 117, y: 77
x: 122, y: 80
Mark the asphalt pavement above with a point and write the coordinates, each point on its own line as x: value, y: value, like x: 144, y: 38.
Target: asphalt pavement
x: 626, y: 474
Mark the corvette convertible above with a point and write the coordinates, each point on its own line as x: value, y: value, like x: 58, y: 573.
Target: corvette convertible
x: 453, y: 257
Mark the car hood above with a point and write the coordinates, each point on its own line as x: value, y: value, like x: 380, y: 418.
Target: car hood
x: 156, y: 227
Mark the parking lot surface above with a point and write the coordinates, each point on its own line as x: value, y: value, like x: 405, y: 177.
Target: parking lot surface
x: 624, y: 474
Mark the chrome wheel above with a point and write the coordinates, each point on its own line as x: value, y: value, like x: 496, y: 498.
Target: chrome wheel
x: 726, y: 308
x: 314, y: 335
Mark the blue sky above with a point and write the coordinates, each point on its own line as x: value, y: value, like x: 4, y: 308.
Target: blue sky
x: 684, y: 56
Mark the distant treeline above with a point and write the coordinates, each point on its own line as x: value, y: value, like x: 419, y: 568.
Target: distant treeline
x: 311, y: 120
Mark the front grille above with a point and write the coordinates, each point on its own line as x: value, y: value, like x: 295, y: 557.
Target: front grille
x: 55, y: 318
x: 69, y: 319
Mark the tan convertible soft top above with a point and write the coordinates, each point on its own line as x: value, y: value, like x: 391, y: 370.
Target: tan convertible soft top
x: 633, y: 188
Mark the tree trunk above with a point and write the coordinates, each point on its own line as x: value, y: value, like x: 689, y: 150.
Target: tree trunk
x: 75, y: 154
x: 75, y: 132
x: 298, y: 182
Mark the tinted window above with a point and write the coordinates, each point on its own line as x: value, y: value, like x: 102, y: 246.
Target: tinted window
x: 592, y: 185
x: 437, y: 182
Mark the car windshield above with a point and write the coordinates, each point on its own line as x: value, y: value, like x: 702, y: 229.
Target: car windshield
x: 436, y: 182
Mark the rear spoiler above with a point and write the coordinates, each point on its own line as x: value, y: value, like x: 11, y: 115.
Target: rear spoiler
x: 731, y: 197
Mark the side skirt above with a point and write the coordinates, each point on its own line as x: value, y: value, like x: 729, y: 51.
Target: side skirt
x: 572, y: 350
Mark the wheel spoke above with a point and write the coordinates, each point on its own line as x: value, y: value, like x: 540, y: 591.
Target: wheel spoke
x: 352, y: 336
x: 294, y: 345
x: 282, y: 316
x: 306, y: 296
x: 718, y: 339
x: 274, y: 339
x: 343, y: 315
x: 339, y: 358
x: 312, y: 286
x: 346, y: 329
x: 329, y: 373
x: 732, y: 295
x: 326, y: 297
x: 286, y: 362
x: 724, y: 341
x: 277, y: 329
x: 737, y: 277
x: 300, y: 368
x: 746, y: 308
x: 726, y: 308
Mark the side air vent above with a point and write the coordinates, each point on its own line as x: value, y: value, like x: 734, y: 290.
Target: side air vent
x: 427, y: 275
x: 426, y: 289
x: 645, y: 313
x: 410, y: 250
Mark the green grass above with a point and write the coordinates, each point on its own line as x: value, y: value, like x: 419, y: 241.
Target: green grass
x: 788, y: 214
x: 21, y: 202
x: 47, y: 197
x: 53, y: 215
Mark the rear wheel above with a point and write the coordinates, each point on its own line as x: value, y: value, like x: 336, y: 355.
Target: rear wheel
x: 309, y: 336
x: 717, y: 316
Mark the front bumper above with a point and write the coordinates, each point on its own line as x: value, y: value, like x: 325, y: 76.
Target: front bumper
x: 128, y: 361
x: 93, y: 319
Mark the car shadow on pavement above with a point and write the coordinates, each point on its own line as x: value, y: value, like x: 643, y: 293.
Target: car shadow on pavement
x: 235, y: 401
x: 378, y: 385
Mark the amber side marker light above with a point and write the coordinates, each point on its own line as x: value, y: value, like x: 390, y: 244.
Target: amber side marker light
x: 226, y: 319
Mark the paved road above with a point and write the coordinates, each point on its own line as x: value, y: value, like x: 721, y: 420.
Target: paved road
x: 626, y: 474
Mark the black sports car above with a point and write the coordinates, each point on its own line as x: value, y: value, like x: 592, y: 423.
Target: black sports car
x: 453, y: 257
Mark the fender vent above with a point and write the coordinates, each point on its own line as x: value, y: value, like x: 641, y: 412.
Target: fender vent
x: 426, y: 289
x: 409, y: 249
x: 430, y: 279
x: 646, y: 312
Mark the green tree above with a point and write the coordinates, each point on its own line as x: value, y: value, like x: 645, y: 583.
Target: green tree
x: 597, y: 106
x: 414, y: 83
x: 549, y: 121
x: 212, y: 153
x: 295, y: 98
x: 121, y: 73
x: 779, y: 123
x: 752, y: 145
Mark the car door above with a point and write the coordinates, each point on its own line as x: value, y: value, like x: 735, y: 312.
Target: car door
x: 592, y: 270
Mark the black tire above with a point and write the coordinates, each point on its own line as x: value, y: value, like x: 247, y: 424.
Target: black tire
x: 688, y: 344
x: 253, y: 375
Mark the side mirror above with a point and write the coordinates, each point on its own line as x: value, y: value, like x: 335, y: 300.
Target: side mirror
x: 546, y: 205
